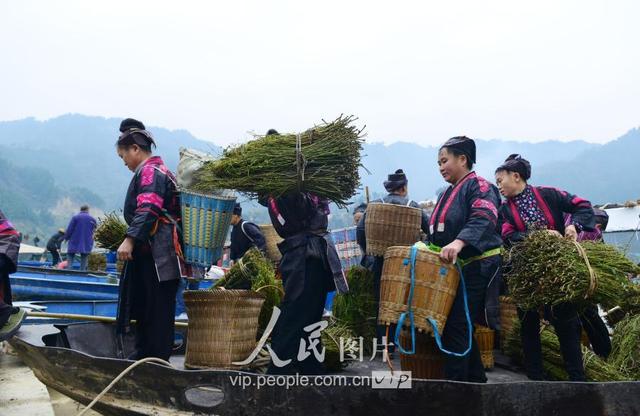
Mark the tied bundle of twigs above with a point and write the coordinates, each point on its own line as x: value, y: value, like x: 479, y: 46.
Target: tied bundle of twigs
x: 323, y: 160
x: 254, y: 272
x: 335, y: 336
x: 111, y: 232
x: 357, y: 308
x: 625, y: 351
x: 546, y: 269
x: 595, y: 368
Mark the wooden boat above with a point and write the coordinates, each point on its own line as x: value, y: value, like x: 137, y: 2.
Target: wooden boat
x: 79, y: 360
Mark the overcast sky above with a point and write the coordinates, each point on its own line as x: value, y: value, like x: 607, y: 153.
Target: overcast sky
x: 418, y: 71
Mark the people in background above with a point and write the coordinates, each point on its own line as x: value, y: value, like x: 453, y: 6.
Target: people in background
x: 79, y: 235
x: 244, y: 235
x: 54, y: 246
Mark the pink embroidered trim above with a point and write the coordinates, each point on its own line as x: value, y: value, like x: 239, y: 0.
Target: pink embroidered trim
x: 150, y: 198
x: 483, y: 203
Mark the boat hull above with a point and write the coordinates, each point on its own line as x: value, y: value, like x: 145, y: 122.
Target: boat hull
x: 156, y: 389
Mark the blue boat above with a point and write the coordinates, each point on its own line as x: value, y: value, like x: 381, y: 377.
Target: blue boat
x: 34, y: 283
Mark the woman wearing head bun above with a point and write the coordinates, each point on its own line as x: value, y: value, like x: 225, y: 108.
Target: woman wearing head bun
x: 464, y: 225
x: 152, y: 247
x: 535, y: 207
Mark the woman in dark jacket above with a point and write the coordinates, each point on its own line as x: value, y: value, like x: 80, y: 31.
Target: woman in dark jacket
x: 310, y: 268
x: 463, y: 224
x: 534, y: 207
x: 151, y: 248
x: 9, y: 247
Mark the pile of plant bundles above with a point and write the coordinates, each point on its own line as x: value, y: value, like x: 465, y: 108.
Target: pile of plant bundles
x: 625, y: 343
x: 323, y: 160
x: 547, y: 269
x: 255, y: 272
x: 595, y: 368
x: 357, y: 308
x: 110, y: 232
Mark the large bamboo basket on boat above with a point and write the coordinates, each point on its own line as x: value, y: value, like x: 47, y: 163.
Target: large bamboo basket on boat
x: 485, y: 337
x: 427, y: 362
x: 434, y: 290
x: 223, y: 325
x: 205, y: 224
x: 388, y: 225
x: 508, y: 316
x: 271, y: 239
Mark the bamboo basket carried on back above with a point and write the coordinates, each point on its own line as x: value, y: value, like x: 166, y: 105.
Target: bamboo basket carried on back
x: 434, y: 288
x: 271, y: 239
x: 388, y: 225
x: 223, y: 325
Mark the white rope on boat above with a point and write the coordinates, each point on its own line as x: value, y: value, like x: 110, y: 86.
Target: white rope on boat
x: 120, y: 376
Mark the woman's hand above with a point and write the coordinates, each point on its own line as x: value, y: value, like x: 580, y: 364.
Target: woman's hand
x: 126, y: 249
x: 449, y: 253
x: 571, y: 232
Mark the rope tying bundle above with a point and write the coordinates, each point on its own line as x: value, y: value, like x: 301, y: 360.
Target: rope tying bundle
x: 593, y: 281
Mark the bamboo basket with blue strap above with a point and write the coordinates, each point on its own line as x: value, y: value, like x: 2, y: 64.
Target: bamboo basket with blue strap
x: 434, y: 288
x: 388, y: 225
x: 205, y: 224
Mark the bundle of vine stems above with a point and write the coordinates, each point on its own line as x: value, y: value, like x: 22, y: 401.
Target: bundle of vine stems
x: 595, y: 368
x: 323, y: 160
x: 333, y: 336
x: 254, y: 272
x: 111, y: 231
x: 546, y: 269
x: 357, y: 308
x: 625, y: 347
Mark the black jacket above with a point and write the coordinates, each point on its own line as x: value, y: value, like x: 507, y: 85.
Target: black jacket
x: 55, y: 242
x: 245, y: 235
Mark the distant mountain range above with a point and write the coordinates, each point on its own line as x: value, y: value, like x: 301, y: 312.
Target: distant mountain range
x: 51, y: 167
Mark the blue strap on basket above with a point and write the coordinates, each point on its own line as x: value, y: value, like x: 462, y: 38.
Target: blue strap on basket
x: 434, y: 324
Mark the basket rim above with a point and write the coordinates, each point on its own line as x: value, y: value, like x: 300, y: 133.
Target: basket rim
x: 392, y: 205
x: 217, y: 293
x: 192, y: 192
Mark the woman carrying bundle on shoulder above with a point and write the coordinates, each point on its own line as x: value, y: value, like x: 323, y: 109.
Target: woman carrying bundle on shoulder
x: 464, y: 225
x: 529, y: 208
x: 310, y: 268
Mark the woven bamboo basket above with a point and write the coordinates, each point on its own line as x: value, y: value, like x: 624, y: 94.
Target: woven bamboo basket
x: 508, y: 315
x: 485, y: 337
x: 427, y: 362
x: 272, y: 239
x: 223, y: 325
x: 434, y: 290
x: 205, y: 224
x: 388, y: 225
